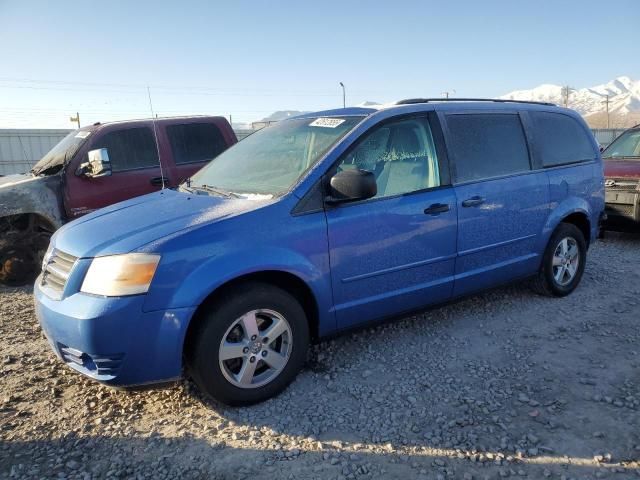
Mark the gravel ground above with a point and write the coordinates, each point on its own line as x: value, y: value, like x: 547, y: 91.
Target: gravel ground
x: 504, y: 384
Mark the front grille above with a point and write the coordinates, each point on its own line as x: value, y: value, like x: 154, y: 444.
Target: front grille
x: 621, y: 185
x: 56, y: 270
x: 103, y: 365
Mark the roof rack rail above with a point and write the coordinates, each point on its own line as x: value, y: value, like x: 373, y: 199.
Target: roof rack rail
x: 411, y: 101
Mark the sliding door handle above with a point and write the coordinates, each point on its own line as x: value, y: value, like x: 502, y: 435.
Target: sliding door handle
x: 473, y: 201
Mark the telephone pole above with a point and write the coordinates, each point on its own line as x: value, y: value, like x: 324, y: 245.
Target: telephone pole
x: 606, y: 102
x: 75, y: 119
x: 565, y: 92
x: 446, y: 94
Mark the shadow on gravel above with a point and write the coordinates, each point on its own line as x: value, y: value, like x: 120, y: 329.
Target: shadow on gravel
x: 193, y: 458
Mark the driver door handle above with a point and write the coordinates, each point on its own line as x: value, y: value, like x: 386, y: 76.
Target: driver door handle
x: 436, y: 209
x: 473, y: 201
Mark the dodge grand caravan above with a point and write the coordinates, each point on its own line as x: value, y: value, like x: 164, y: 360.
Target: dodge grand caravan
x: 315, y: 225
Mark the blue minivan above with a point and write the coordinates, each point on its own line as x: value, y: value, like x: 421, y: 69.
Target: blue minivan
x: 315, y: 225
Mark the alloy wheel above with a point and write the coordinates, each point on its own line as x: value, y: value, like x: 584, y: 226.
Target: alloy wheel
x: 566, y: 260
x: 255, y: 349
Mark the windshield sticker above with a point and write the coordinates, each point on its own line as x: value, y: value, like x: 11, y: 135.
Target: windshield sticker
x: 83, y: 134
x: 326, y: 122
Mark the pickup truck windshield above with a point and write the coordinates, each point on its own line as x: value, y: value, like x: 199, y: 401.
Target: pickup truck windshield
x: 54, y: 160
x: 270, y: 161
x: 625, y: 146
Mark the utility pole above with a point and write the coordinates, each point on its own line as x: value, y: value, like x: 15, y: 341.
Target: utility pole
x: 446, y: 94
x: 606, y: 102
x: 566, y: 91
x: 75, y: 119
x: 344, y: 96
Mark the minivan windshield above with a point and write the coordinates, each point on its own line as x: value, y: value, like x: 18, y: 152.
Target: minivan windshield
x: 272, y: 160
x: 626, y: 145
x: 54, y: 160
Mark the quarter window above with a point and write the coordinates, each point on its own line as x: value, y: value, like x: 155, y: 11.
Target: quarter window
x: 487, y: 145
x: 560, y: 139
x: 130, y: 149
x: 195, y: 142
x: 401, y: 154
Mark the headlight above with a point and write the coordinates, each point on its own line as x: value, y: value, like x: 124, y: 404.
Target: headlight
x: 118, y: 275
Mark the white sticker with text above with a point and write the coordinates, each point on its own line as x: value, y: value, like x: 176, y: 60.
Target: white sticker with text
x: 326, y: 122
x: 84, y: 134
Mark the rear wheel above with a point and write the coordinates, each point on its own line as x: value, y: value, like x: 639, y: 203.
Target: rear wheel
x: 563, y: 262
x: 250, y: 345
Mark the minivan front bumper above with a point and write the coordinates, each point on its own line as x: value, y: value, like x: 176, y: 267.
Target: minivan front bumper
x: 112, y: 340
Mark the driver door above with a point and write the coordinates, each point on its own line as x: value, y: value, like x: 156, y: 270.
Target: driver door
x: 394, y: 252
x: 135, y: 171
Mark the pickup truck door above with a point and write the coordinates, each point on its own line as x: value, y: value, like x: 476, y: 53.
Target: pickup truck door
x: 135, y: 170
x: 194, y: 144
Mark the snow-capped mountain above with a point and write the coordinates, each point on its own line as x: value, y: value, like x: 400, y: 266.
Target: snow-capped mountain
x: 624, y: 96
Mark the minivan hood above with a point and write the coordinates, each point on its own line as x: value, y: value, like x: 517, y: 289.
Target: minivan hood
x: 128, y: 225
x: 622, y: 168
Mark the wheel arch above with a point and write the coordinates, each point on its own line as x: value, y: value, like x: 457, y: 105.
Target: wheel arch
x: 575, y: 211
x: 287, y: 281
x: 581, y: 220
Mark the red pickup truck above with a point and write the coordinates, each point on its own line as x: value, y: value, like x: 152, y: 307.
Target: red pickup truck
x: 94, y: 167
x: 622, y: 176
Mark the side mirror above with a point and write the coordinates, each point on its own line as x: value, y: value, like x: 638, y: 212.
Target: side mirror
x: 351, y: 185
x: 97, y: 166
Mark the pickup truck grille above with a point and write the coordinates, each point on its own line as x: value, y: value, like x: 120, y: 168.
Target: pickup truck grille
x: 621, y: 185
x: 56, y: 270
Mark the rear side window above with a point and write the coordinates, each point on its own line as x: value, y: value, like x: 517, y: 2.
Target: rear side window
x: 129, y: 149
x: 486, y: 145
x: 195, y: 142
x: 560, y: 139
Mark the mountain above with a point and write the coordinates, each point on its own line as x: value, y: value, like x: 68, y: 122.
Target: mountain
x: 282, y: 114
x: 624, y: 96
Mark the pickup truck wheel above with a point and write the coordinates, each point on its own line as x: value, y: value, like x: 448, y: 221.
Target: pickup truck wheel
x: 23, y: 244
x: 17, y: 265
x: 563, y: 262
x: 250, y: 345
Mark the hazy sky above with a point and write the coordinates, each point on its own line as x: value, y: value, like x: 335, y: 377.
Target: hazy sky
x: 248, y: 59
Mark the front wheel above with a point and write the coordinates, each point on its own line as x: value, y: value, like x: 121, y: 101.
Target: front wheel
x: 250, y: 345
x: 563, y: 262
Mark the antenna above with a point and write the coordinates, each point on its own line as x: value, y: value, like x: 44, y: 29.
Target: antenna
x: 155, y: 134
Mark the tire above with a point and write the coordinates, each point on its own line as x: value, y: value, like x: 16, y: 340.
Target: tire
x: 230, y: 320
x: 22, y: 248
x: 560, y: 280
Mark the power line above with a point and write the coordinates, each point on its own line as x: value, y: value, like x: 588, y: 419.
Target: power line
x: 137, y: 88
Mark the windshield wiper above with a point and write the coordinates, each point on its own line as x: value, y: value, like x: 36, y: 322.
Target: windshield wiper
x: 216, y: 191
x: 623, y: 157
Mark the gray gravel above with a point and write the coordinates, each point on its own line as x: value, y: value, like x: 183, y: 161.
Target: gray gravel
x: 504, y: 384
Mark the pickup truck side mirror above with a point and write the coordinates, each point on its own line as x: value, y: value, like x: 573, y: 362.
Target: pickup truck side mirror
x: 351, y: 185
x: 97, y: 166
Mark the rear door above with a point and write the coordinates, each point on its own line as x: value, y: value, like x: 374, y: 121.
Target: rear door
x: 135, y: 170
x: 502, y: 202
x: 193, y: 145
x: 394, y: 252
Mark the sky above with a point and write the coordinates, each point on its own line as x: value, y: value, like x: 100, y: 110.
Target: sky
x: 249, y: 59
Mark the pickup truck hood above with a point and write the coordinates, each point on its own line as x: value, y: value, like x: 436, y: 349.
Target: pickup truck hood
x: 622, y: 168
x: 127, y: 226
x: 16, y: 179
x: 29, y: 193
